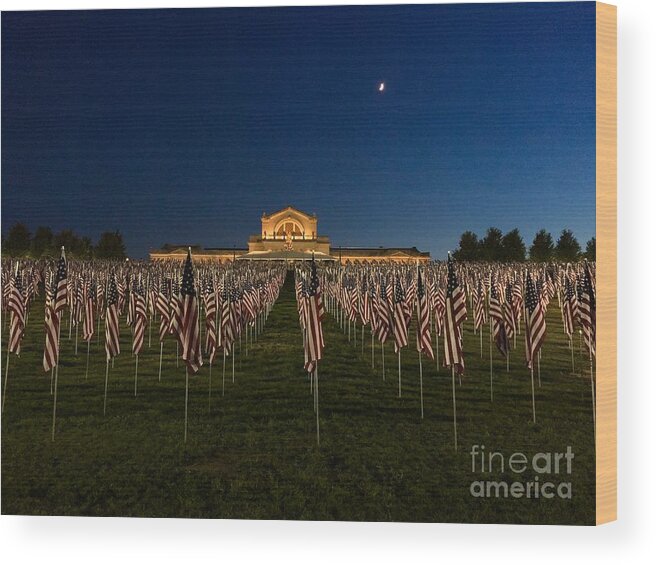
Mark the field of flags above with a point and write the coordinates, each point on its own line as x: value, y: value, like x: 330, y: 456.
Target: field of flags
x: 205, y: 309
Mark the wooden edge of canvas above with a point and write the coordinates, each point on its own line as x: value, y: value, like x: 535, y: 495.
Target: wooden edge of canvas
x: 606, y: 234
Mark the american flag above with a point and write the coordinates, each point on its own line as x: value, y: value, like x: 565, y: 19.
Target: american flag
x: 479, y: 306
x: 400, y: 326
x: 568, y: 307
x: 365, y: 303
x: 61, y: 284
x: 455, y: 314
x: 16, y: 306
x: 227, y: 331
x: 314, y: 315
x: 191, y: 352
x: 383, y: 313
x: 499, y: 333
x: 509, y: 313
x: 439, y: 308
x: 588, y: 310
x: 89, y: 310
x: 112, y: 330
x: 55, y: 304
x: 536, y: 326
x: 140, y: 314
x: 175, y: 313
x: 162, y: 308
x: 423, y: 320
x: 209, y: 300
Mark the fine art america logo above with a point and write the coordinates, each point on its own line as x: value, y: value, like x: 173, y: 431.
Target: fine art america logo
x: 549, y: 474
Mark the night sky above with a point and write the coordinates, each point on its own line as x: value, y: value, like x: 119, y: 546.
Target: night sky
x: 183, y: 126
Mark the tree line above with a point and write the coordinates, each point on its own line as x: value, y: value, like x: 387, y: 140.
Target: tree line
x: 497, y: 246
x: 20, y: 242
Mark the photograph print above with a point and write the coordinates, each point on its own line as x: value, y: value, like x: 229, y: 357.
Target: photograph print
x: 309, y: 263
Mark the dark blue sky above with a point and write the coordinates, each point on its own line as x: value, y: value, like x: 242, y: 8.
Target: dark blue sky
x: 183, y: 126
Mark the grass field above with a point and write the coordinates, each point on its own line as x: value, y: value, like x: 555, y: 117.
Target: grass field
x: 254, y: 455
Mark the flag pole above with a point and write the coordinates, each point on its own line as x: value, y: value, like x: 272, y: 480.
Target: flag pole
x: 4, y: 390
x: 399, y: 372
x: 437, y: 348
x: 594, y: 403
x: 161, y: 348
x: 421, y: 386
x: 533, y: 392
x: 106, y: 381
x: 54, y: 403
x: 186, y: 401
x: 86, y: 375
x: 571, y: 348
x: 455, y: 422
x: 209, y: 398
x: 136, y: 372
x: 491, y: 380
x: 372, y: 347
x: 316, y: 395
x: 382, y: 350
x: 223, y: 381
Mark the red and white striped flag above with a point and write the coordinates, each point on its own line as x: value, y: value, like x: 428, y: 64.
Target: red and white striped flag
x: 455, y: 314
x: 424, y: 344
x: 89, y: 311
x: 536, y: 325
x: 140, y: 314
x: 314, y: 312
x: 400, y: 326
x: 55, y: 304
x: 16, y: 308
x: 190, y: 333
x: 112, y: 330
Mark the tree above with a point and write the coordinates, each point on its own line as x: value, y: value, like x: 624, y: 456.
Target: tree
x: 542, y: 248
x: 18, y: 240
x: 469, y: 249
x: 491, y: 249
x: 69, y: 240
x: 591, y: 249
x: 42, y: 242
x: 567, y: 247
x: 513, y: 248
x: 110, y: 246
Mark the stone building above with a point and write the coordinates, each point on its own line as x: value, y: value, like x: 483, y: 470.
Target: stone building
x: 291, y: 234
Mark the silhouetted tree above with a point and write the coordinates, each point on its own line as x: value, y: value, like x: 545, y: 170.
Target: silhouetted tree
x: 42, y: 242
x: 18, y: 240
x: 469, y: 249
x: 513, y: 248
x: 567, y: 247
x: 542, y: 248
x: 110, y: 246
x: 68, y: 239
x: 591, y: 249
x: 491, y: 249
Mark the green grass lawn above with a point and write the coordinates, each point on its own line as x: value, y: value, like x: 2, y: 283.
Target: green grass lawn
x: 254, y: 455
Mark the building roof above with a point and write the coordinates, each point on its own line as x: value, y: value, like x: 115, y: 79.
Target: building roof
x: 197, y: 250
x: 285, y: 209
x: 284, y: 255
x: 378, y: 251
